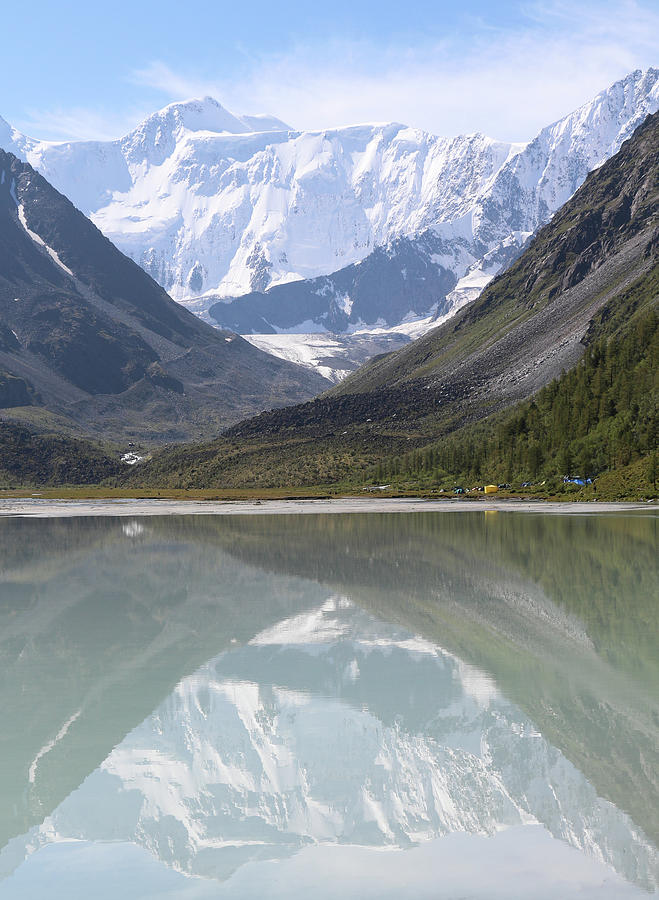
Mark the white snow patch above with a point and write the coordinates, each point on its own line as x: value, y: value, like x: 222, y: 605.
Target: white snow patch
x: 131, y: 459
x: 32, y: 772
x: 308, y: 350
x: 38, y: 240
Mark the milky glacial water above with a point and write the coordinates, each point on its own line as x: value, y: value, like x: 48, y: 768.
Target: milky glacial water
x: 423, y: 705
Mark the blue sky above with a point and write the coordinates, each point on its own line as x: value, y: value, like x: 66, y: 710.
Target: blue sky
x: 85, y: 69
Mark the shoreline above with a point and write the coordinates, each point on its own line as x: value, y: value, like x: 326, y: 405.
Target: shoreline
x: 52, y: 508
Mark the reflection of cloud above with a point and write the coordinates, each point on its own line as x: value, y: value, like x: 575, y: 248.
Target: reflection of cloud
x: 521, y: 862
x: 507, y: 82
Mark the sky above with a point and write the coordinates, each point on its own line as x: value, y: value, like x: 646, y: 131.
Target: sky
x: 88, y: 70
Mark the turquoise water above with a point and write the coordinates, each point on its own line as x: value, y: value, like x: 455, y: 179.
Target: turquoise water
x: 369, y: 705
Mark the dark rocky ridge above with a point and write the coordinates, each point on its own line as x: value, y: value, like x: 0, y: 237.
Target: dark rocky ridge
x: 89, y: 337
x: 394, y: 280
x: 390, y: 283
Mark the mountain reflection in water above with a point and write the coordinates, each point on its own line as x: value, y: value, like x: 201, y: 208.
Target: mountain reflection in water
x: 263, y: 702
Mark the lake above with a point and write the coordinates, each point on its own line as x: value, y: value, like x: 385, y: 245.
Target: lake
x: 409, y: 705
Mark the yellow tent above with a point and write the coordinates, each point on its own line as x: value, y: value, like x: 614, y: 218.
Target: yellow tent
x: 491, y: 488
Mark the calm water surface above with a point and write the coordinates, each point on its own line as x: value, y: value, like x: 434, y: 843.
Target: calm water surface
x: 427, y: 705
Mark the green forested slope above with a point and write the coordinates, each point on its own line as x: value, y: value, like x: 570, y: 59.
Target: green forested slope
x: 599, y: 416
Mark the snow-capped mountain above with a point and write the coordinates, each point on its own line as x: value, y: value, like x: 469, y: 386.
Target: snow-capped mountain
x: 204, y: 205
x: 216, y: 206
x: 334, y: 728
x: 430, y: 274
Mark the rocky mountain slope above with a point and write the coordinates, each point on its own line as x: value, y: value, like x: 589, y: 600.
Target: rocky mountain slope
x: 599, y: 253
x: 529, y: 324
x: 211, y: 210
x: 28, y: 457
x: 402, y: 279
x: 88, y: 341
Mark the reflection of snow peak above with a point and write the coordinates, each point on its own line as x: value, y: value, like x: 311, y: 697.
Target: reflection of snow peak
x: 133, y: 529
x: 321, y: 627
x: 333, y: 727
x: 317, y: 627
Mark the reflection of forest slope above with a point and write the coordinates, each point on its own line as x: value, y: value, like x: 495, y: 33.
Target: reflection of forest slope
x: 560, y: 609
x: 98, y: 622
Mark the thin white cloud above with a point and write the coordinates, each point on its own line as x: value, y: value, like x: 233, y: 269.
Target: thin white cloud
x: 79, y: 123
x: 505, y: 82
x: 175, y: 84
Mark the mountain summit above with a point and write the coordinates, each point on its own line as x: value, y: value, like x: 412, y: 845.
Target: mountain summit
x: 207, y: 114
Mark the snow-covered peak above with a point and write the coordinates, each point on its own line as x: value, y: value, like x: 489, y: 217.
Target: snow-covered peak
x: 13, y: 141
x: 617, y: 111
x: 596, y: 130
x: 536, y: 182
x: 205, y: 114
x: 170, y: 129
